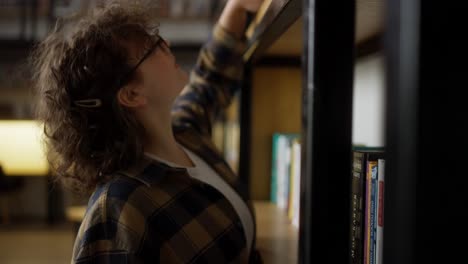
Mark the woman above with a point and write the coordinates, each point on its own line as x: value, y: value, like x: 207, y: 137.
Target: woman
x: 124, y: 121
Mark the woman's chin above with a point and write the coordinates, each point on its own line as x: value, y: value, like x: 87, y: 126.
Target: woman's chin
x: 183, y: 82
x: 179, y: 89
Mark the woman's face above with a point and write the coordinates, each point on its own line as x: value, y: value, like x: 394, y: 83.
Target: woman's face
x: 159, y: 76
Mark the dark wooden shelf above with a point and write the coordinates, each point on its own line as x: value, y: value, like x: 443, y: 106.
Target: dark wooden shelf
x: 278, y: 28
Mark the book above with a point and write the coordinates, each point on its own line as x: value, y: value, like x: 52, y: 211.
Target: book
x: 280, y: 169
x: 198, y: 8
x: 217, y: 134
x: 380, y: 212
x: 176, y: 8
x: 360, y: 156
x: 232, y: 143
x: 295, y: 179
x: 275, y: 158
x: 372, y: 170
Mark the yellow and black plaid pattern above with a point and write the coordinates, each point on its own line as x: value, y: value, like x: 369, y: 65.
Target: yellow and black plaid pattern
x: 161, y: 215
x: 154, y: 213
x: 213, y: 82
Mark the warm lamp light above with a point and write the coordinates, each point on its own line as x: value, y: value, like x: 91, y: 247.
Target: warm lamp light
x: 21, y: 148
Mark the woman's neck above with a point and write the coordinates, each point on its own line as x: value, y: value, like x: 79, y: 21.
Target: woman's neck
x: 160, y: 141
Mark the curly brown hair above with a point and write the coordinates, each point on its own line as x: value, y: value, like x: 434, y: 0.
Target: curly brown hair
x: 87, y: 144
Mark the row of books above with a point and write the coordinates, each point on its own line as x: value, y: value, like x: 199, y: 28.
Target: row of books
x: 226, y: 136
x: 367, y: 195
x: 226, y: 133
x: 165, y: 8
x: 189, y: 8
x: 367, y: 205
x: 285, y: 176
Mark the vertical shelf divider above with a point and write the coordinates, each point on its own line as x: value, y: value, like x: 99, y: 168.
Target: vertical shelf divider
x: 427, y: 128
x: 328, y: 63
x: 401, y: 50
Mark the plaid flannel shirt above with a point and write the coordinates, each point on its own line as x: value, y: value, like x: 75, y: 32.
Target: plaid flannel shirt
x: 154, y: 213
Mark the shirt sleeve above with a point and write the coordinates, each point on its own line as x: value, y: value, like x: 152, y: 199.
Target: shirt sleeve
x: 108, y: 257
x: 214, y: 81
x: 109, y: 234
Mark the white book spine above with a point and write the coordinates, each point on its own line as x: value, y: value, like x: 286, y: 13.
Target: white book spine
x: 283, y: 172
x: 380, y: 211
x: 297, y: 183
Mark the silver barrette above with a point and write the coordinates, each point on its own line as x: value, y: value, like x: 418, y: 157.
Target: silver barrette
x: 88, y: 103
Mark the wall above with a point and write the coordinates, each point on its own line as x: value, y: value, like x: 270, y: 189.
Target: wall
x: 368, y: 101
x: 276, y: 107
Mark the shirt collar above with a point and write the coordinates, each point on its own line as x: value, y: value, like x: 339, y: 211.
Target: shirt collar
x: 150, y: 171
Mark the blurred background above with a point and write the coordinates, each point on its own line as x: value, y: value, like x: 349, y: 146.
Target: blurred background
x: 38, y: 219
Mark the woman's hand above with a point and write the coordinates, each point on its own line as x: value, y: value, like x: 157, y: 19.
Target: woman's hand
x: 248, y: 5
x: 234, y: 15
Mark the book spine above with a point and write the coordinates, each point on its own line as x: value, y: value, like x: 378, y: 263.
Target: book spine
x: 284, y: 160
x: 296, y: 176
x: 291, y: 185
x: 380, y: 212
x: 374, y: 169
x: 292, y: 179
x: 367, y: 201
x: 274, y: 170
x: 356, y: 239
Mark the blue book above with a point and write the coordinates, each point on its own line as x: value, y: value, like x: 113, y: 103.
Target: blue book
x: 280, y: 168
x: 274, y: 170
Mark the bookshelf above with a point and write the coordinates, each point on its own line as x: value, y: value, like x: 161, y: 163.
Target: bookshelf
x: 183, y: 22
x: 276, y: 59
x: 272, y: 103
x: 425, y: 124
x: 24, y: 23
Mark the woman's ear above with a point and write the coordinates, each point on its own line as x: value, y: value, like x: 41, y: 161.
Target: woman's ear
x: 131, y: 96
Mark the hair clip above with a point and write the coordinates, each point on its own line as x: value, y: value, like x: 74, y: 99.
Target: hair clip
x: 86, y: 69
x: 88, y: 103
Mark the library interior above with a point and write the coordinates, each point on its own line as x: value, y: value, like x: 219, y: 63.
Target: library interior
x: 333, y: 110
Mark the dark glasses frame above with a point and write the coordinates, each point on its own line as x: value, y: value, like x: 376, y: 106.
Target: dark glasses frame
x: 96, y: 102
x: 124, y: 79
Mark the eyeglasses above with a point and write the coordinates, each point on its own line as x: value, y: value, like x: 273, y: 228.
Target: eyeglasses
x: 125, y: 78
x: 95, y: 102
